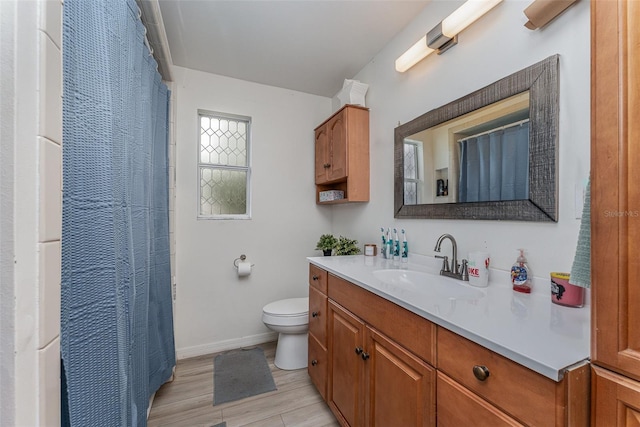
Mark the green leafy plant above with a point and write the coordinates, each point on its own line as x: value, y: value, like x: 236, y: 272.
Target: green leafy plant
x: 326, y: 243
x: 346, y: 246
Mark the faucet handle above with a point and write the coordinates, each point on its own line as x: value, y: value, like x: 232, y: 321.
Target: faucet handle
x: 445, y: 263
x: 465, y: 271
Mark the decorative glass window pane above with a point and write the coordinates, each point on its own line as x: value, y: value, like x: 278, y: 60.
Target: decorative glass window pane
x: 224, y: 165
x: 410, y: 161
x: 412, y: 173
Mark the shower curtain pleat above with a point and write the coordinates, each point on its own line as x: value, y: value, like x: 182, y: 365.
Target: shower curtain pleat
x: 495, y: 166
x: 116, y: 311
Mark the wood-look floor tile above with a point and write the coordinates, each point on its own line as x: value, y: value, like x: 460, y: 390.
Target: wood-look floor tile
x: 203, y: 414
x: 275, y: 421
x: 188, y: 399
x: 277, y: 403
x: 314, y: 415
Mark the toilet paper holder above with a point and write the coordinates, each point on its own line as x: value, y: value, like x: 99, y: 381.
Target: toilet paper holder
x: 242, y: 257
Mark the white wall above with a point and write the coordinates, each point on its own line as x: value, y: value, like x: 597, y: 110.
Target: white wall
x: 214, y: 309
x: 494, y: 47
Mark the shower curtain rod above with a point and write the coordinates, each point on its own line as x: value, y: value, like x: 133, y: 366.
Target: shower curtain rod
x: 510, y: 125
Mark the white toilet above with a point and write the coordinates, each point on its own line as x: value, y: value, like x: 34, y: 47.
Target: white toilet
x: 290, y: 318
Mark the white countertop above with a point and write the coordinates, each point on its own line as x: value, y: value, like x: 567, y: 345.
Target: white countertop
x: 526, y: 328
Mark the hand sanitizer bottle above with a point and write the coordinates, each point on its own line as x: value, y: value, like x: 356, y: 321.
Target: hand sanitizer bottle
x: 521, y: 274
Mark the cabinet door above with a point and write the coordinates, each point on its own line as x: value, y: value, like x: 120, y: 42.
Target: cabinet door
x: 337, y: 128
x: 615, y: 193
x: 322, y: 154
x: 401, y: 387
x: 615, y: 400
x: 458, y: 406
x: 346, y: 377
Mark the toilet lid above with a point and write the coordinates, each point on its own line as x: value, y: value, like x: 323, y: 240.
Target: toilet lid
x: 288, y: 307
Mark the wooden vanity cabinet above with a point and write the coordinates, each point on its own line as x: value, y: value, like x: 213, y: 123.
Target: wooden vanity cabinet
x: 375, y: 380
x: 386, y: 366
x: 342, y: 155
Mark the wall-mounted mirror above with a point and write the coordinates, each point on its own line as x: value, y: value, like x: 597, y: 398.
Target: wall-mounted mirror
x: 489, y: 155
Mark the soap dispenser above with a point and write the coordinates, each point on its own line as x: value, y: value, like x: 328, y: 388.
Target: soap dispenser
x: 521, y: 274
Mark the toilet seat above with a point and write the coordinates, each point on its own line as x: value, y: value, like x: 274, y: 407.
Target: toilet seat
x: 288, y: 307
x: 287, y: 312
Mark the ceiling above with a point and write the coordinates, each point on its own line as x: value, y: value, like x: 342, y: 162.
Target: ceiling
x: 304, y: 45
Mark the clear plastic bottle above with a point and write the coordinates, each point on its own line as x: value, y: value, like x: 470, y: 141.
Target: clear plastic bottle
x: 405, y: 247
x: 521, y: 274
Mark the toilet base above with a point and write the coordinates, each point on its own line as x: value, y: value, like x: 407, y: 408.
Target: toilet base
x: 292, y: 351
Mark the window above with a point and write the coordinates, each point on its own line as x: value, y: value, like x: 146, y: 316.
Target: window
x: 224, y: 166
x: 412, y: 172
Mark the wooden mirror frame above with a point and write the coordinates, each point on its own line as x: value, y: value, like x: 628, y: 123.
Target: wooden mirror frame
x: 541, y: 80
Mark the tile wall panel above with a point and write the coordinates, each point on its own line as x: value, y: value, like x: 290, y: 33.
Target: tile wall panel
x: 50, y: 190
x: 49, y: 294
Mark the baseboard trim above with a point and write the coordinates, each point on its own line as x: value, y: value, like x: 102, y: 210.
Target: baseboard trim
x: 200, y: 350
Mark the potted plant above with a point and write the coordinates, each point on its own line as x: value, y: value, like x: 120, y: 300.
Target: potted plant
x: 345, y: 246
x: 326, y: 244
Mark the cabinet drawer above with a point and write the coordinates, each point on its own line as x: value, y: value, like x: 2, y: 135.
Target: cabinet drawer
x: 318, y: 315
x: 413, y: 332
x: 318, y: 278
x: 458, y: 406
x: 519, y: 391
x: 317, y: 366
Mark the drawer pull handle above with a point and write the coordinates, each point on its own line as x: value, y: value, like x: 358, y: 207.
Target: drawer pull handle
x: 365, y: 356
x: 315, y: 314
x: 314, y: 277
x: 359, y: 350
x: 314, y: 362
x: 481, y: 372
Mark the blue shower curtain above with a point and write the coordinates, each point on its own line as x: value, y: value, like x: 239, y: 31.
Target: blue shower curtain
x: 116, y: 311
x: 495, y: 166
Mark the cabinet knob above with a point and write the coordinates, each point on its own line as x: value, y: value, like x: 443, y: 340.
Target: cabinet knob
x: 314, y: 362
x: 365, y: 355
x: 315, y: 314
x: 327, y: 165
x: 359, y: 350
x: 314, y: 277
x: 481, y: 372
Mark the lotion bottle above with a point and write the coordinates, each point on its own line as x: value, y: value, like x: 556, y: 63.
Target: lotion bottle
x: 521, y: 274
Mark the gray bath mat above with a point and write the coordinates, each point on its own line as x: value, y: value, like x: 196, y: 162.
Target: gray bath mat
x: 240, y: 373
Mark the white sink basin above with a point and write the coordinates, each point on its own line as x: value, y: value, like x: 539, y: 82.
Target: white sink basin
x: 425, y: 283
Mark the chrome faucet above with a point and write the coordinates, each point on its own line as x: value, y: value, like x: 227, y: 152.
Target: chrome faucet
x: 456, y: 271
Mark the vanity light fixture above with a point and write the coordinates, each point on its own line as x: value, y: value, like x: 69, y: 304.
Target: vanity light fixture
x: 541, y: 12
x: 445, y: 34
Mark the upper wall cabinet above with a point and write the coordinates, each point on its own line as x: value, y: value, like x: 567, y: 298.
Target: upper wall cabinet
x: 342, y: 155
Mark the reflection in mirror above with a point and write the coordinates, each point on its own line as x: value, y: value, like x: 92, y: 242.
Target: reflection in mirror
x: 478, y: 157
x: 488, y: 155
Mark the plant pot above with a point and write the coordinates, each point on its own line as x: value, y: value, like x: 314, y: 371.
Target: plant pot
x: 327, y: 252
